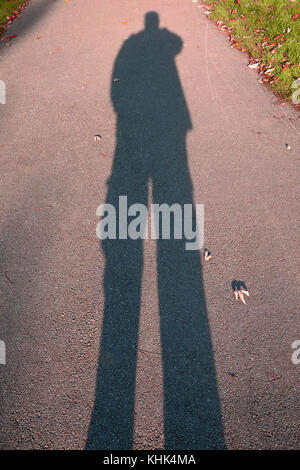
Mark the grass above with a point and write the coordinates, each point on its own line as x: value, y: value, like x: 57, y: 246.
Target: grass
x: 7, y: 7
x: 270, y: 31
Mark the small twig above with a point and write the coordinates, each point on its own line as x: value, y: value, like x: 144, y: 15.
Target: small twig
x: 150, y: 352
x: 8, y: 278
x: 103, y: 155
x: 108, y: 129
x: 43, y: 207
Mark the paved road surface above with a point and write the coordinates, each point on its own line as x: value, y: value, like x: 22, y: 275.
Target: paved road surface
x: 181, y: 365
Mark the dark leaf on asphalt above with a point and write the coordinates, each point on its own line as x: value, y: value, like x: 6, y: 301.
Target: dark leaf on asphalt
x: 232, y: 374
x: 207, y: 255
x: 239, y: 290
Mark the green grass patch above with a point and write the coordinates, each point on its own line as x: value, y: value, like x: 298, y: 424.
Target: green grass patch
x: 270, y: 31
x: 7, y: 7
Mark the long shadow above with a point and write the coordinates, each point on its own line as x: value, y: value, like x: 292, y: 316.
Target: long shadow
x: 152, y: 123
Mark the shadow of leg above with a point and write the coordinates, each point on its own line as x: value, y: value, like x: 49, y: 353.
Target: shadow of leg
x: 191, y: 403
x: 112, y: 418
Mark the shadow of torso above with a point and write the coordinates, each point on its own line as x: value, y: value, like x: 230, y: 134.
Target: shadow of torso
x: 153, y: 116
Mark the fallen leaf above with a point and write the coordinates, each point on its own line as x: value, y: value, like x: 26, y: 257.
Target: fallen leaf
x: 239, y: 290
x: 273, y: 378
x: 253, y: 66
x: 232, y: 374
x: 269, y: 71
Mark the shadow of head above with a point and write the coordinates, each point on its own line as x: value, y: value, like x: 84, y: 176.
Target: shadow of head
x: 151, y: 21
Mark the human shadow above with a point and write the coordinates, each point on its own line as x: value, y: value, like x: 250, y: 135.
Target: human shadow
x: 152, y: 123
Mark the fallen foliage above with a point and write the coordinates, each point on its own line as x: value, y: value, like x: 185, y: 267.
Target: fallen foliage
x: 9, y: 10
x: 269, y: 30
